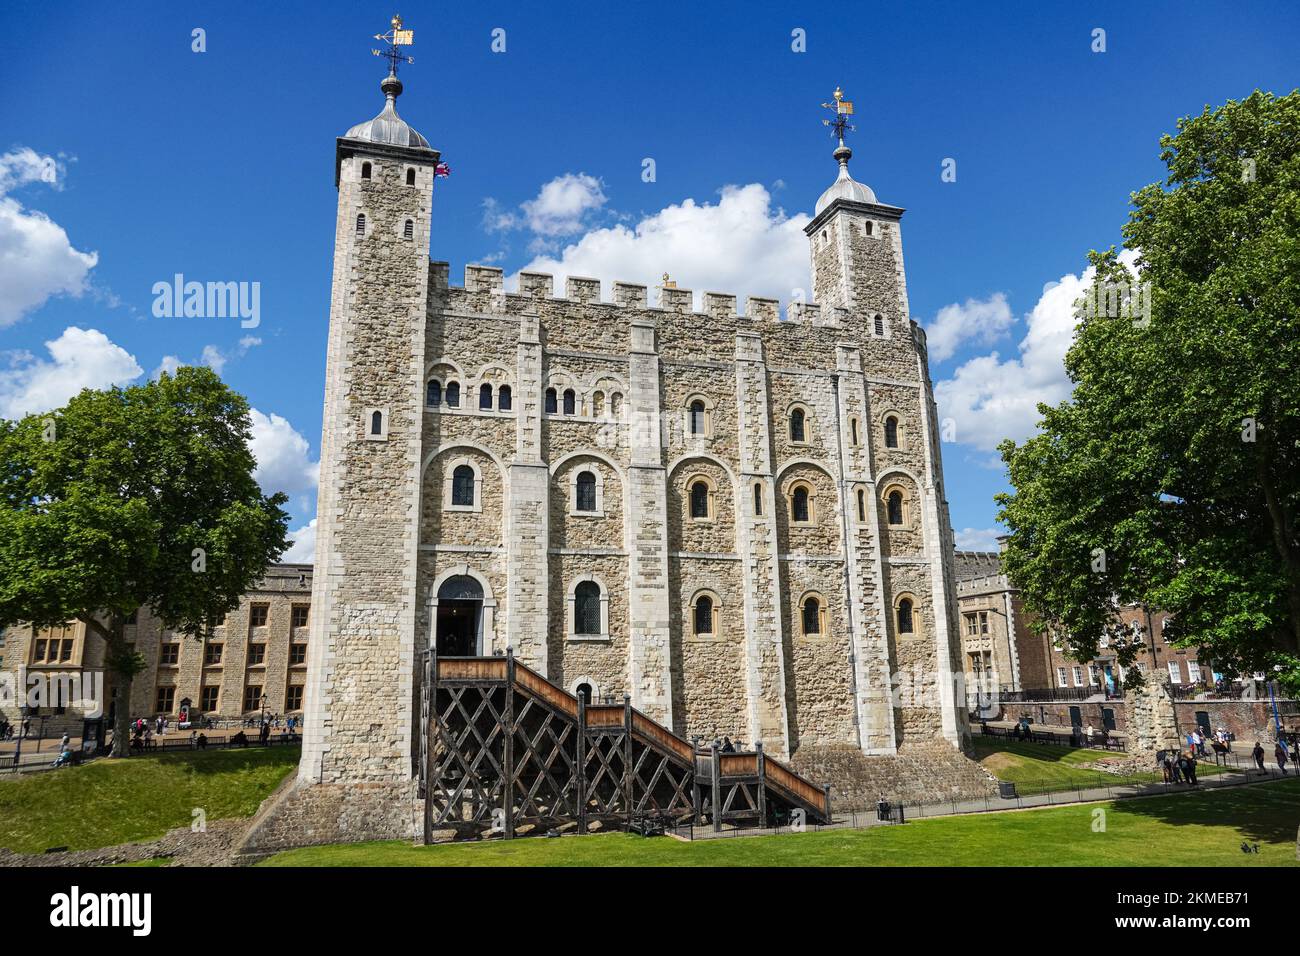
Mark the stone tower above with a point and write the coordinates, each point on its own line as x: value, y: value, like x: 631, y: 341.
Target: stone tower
x: 360, y: 685
x: 883, y: 375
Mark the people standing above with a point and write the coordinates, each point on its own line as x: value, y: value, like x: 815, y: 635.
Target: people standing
x: 1279, y: 754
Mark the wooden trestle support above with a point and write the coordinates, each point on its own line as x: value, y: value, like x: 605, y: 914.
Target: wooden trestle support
x: 503, y: 749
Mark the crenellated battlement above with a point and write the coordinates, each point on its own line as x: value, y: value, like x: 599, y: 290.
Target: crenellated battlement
x: 487, y: 284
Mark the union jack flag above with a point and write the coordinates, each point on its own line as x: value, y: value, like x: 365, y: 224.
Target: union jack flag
x: 442, y: 170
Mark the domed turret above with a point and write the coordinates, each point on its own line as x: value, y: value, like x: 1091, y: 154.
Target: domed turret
x: 388, y: 128
x: 845, y: 186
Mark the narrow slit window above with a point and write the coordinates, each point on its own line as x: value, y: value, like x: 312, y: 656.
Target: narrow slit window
x: 361, y: 225
x: 433, y: 393
x: 704, y: 614
x: 453, y: 394
x: 503, y: 398
x: 569, y: 401
x: 550, y: 400
x: 485, y: 396
x: 408, y: 230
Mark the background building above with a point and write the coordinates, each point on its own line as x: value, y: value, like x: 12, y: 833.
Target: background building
x: 259, y: 650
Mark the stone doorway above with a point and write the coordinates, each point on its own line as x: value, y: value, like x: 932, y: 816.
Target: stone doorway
x: 460, y: 617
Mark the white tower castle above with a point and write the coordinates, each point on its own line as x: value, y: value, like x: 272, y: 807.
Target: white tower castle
x: 735, y: 520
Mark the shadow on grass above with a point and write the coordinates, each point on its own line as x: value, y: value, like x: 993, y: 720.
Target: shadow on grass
x: 1261, y: 813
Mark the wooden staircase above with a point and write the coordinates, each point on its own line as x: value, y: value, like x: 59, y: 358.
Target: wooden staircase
x: 504, y: 750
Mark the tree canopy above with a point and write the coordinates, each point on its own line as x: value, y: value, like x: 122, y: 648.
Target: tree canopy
x: 134, y: 497
x: 1171, y: 476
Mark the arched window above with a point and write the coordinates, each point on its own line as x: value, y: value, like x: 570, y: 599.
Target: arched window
x: 583, y: 690
x: 598, y: 404
x: 410, y: 177
x: 615, y: 404
x: 700, y: 499
x: 586, y: 608
x: 361, y: 225
x: 905, y: 624
x: 853, y: 431
x: 799, y: 511
x: 453, y: 394
x: 704, y: 614
x: 485, y: 395
x: 894, y: 507
x: 586, y: 495
x: 797, y: 429
x: 503, y: 398
x: 462, y: 486
x: 696, y: 417
x: 365, y: 170
x: 867, y: 227
x: 408, y: 230
x: 568, y: 401
x: 812, y: 616
x: 376, y: 423
x: 550, y: 400
x: 891, y: 432
x: 758, y: 499
x: 880, y: 326
x: 433, y: 393
x: 862, y: 505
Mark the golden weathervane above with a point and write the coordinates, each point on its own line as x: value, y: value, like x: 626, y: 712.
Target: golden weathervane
x: 396, y: 37
x: 842, y: 108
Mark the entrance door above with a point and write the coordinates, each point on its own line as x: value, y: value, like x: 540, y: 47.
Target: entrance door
x: 1076, y: 717
x: 1108, y: 718
x: 460, y: 617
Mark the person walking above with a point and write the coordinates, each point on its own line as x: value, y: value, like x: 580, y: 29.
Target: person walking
x: 264, y: 733
x: 1190, y: 772
x: 1258, y: 754
x: 1165, y: 764
x: 1279, y: 754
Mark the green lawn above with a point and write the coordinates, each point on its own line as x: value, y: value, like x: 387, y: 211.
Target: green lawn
x: 1196, y: 829
x: 1040, y: 768
x: 108, y: 802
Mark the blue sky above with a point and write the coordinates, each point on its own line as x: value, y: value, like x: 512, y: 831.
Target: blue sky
x: 129, y: 158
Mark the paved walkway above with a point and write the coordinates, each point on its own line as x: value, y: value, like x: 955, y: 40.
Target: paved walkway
x: 865, y: 819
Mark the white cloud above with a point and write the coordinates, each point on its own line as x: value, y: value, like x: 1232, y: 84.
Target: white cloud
x: 740, y: 245
x: 214, y: 358
x: 79, y: 358
x: 976, y: 320
x: 36, y: 259
x: 977, y: 539
x: 303, y: 549
x: 560, y: 208
x: 990, y: 398
x: 284, y: 461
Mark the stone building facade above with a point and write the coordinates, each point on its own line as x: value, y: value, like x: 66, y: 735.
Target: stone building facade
x: 259, y: 650
x: 736, y: 519
x: 1000, y: 651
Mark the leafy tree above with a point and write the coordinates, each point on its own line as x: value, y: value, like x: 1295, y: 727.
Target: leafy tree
x: 129, y: 498
x: 1171, y: 477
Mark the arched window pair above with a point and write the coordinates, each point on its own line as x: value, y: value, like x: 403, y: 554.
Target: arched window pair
x: 504, y: 397
x: 434, y: 394
x: 570, y: 401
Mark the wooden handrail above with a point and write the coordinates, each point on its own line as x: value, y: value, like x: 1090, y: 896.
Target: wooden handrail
x: 471, y: 668
x: 557, y: 697
x: 661, y: 735
x: 787, y: 779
